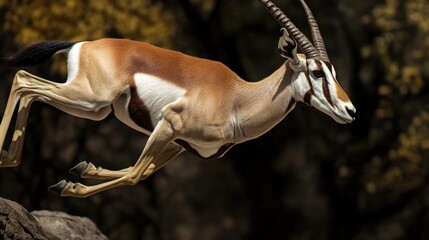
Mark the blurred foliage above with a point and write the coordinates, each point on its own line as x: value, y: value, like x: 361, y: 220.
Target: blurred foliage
x: 401, y: 44
x: 406, y: 166
x: 75, y: 20
x: 205, y: 6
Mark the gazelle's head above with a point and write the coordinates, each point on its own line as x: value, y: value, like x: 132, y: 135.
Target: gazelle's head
x: 315, y: 83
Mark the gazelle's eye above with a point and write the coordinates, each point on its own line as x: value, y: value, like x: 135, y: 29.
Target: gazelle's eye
x: 318, y: 74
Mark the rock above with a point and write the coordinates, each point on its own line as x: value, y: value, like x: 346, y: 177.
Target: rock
x: 18, y: 224
x: 65, y: 226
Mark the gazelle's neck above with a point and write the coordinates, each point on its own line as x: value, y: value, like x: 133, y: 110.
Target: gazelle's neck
x: 265, y: 103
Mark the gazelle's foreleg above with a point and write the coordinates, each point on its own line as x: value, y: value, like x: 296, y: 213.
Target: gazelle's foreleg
x: 88, y: 170
x: 160, y: 137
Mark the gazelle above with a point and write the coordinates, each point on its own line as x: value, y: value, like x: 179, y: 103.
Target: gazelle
x: 181, y: 102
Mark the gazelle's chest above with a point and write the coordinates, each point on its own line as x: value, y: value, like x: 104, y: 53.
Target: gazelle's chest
x: 207, y: 135
x: 201, y: 131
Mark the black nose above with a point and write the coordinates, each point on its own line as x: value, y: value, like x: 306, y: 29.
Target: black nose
x: 351, y: 112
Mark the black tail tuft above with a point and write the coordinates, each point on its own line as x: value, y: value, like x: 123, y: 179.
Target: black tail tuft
x: 35, y: 54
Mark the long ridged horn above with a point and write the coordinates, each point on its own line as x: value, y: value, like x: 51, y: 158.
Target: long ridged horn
x: 304, y: 44
x: 315, y: 32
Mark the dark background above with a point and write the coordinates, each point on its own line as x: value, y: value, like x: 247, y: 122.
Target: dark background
x: 308, y: 178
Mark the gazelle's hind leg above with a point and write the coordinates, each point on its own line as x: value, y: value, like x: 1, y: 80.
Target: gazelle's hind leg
x: 12, y: 158
x: 160, y: 137
x: 13, y: 100
x: 88, y: 170
x: 28, y: 88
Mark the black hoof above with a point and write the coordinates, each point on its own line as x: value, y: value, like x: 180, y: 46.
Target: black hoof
x: 80, y: 168
x: 59, y: 187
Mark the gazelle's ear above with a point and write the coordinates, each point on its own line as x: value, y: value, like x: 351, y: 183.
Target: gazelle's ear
x: 287, y: 46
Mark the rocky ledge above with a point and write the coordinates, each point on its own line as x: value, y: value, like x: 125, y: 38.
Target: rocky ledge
x: 17, y: 223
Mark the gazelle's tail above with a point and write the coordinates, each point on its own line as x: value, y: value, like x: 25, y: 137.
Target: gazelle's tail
x: 35, y: 54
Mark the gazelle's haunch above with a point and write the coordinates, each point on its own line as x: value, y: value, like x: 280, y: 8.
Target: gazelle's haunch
x: 181, y: 102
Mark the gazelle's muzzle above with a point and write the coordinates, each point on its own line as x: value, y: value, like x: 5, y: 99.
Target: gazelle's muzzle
x: 345, y: 114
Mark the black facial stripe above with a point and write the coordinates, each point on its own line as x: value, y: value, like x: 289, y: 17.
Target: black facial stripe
x: 307, y: 97
x: 319, y: 65
x: 325, y: 83
x: 331, y: 69
x: 307, y: 74
x: 326, y: 91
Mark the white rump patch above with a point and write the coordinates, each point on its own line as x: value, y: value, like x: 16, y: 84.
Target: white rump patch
x: 73, y: 61
x: 156, y: 93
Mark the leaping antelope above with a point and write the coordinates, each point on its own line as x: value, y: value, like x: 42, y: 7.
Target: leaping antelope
x: 181, y: 102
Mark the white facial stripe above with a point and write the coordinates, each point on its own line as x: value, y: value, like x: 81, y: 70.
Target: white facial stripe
x: 156, y: 93
x: 333, y: 72
x: 73, y: 61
